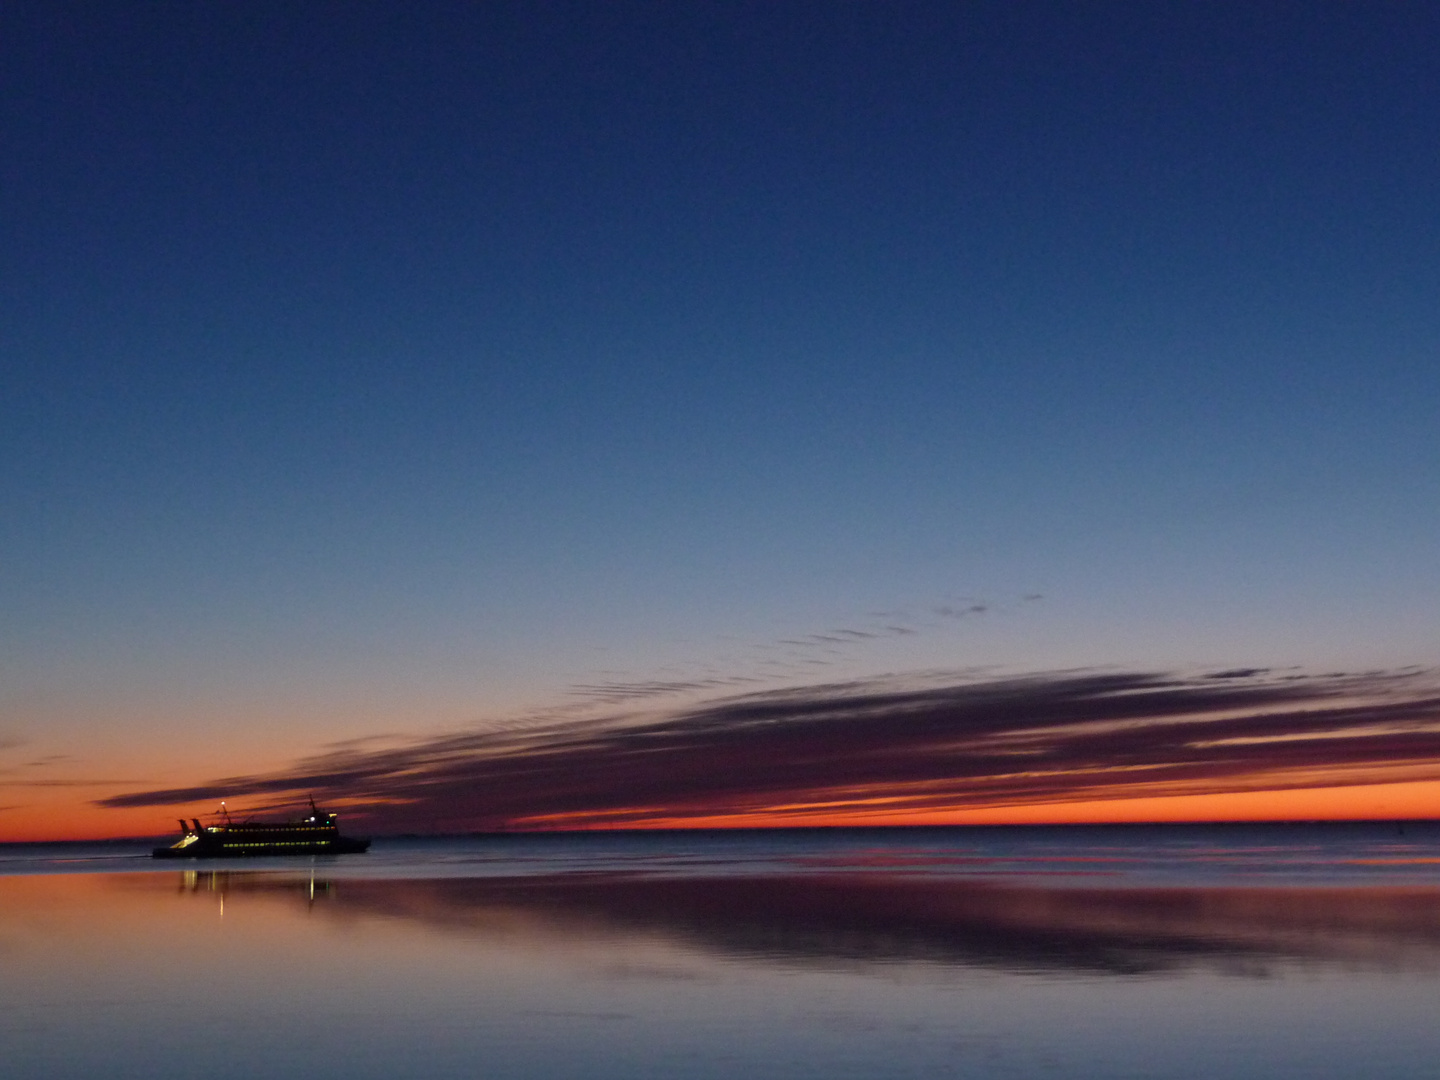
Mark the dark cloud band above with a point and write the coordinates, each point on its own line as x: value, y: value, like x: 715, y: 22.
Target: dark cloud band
x: 890, y: 745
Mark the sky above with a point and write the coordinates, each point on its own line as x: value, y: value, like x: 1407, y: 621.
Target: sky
x: 533, y: 415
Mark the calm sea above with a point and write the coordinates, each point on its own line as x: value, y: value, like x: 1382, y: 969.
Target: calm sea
x: 1219, y: 951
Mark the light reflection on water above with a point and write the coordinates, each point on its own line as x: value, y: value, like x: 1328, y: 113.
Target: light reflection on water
x: 858, y: 956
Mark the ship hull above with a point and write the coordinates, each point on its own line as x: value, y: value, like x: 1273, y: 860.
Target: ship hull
x: 255, y: 849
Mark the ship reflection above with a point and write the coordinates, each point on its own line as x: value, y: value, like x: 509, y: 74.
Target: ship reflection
x: 860, y: 920
x: 219, y: 883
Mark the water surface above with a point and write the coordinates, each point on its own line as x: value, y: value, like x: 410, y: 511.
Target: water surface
x: 1161, y: 952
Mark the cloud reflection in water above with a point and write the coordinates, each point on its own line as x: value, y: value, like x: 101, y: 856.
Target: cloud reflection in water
x: 879, y: 918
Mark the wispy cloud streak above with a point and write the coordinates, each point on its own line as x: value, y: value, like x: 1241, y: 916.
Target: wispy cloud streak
x: 766, y: 662
x: 903, y: 746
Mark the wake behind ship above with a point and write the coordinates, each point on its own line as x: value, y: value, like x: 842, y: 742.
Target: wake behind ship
x: 317, y: 834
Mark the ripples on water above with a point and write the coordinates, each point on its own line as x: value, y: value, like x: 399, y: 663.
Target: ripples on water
x: 1290, y: 854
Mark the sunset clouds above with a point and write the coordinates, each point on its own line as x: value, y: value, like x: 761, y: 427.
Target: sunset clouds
x: 475, y: 413
x: 884, y: 751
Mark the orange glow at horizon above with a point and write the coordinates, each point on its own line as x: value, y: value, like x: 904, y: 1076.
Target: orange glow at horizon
x: 1406, y: 800
x: 53, y: 819
x: 67, y: 814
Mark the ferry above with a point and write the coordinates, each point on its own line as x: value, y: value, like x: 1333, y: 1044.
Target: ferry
x: 317, y: 834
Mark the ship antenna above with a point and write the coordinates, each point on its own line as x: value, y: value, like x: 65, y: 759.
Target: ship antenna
x: 225, y: 812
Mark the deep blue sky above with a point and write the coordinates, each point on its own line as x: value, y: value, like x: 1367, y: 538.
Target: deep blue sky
x: 392, y: 367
